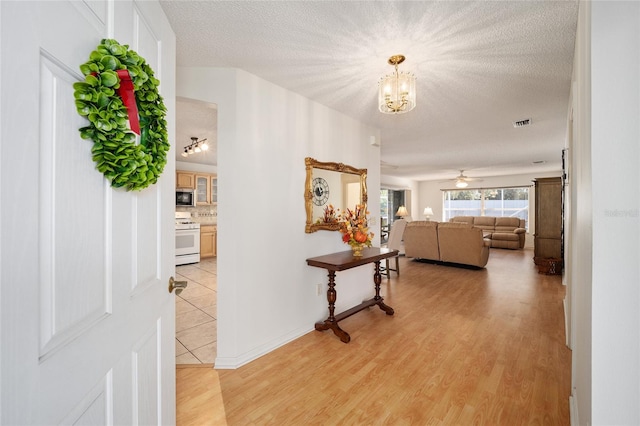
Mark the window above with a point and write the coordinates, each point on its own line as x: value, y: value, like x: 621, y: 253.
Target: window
x: 501, y: 202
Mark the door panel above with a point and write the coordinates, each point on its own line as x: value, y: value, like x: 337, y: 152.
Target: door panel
x: 87, y: 326
x: 68, y: 307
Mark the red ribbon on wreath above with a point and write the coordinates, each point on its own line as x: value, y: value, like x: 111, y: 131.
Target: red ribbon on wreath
x: 129, y: 99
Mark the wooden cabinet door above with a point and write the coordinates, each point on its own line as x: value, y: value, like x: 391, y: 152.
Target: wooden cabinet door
x: 185, y: 180
x: 548, y: 233
x: 203, y: 190
x: 207, y: 241
x: 214, y: 189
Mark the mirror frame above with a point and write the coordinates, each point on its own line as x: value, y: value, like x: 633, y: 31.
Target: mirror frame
x: 310, y: 164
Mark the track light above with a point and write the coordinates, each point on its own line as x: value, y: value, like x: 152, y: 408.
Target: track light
x: 195, y: 146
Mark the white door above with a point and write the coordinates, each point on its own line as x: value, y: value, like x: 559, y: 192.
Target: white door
x: 87, y: 323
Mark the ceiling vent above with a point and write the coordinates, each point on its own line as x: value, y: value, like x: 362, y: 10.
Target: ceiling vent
x: 522, y: 123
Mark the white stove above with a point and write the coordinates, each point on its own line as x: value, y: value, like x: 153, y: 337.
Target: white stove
x: 187, y: 225
x: 187, y: 239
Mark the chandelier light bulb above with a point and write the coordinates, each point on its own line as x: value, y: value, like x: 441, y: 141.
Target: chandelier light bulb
x: 197, y: 149
x: 205, y: 146
x: 184, y: 153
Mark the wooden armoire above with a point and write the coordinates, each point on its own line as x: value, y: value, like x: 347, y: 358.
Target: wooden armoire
x: 548, y: 218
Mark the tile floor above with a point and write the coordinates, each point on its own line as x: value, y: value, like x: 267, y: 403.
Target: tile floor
x: 196, y: 306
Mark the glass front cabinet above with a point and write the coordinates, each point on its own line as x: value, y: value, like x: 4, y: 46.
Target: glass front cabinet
x: 214, y: 189
x: 206, y: 189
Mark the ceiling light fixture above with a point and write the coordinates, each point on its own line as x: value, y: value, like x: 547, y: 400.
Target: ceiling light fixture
x: 397, y: 91
x: 460, y: 183
x: 195, y: 146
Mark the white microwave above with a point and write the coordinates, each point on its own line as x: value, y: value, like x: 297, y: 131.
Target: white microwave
x: 185, y: 197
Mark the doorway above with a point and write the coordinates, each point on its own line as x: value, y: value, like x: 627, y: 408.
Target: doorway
x: 390, y: 200
x: 196, y: 307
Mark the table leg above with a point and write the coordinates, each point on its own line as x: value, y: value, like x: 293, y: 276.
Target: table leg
x: 331, y: 322
x: 377, y: 279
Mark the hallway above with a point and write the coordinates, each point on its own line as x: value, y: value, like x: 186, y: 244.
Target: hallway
x: 465, y: 346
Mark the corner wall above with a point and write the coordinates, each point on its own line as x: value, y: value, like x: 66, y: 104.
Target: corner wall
x: 605, y: 211
x: 266, y: 292
x: 615, y: 160
x: 579, y: 251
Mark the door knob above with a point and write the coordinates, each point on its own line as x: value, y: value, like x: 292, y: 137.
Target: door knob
x: 178, y: 286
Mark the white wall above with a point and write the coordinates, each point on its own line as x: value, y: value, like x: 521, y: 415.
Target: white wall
x: 579, y: 257
x: 266, y: 292
x: 615, y: 159
x: 605, y: 207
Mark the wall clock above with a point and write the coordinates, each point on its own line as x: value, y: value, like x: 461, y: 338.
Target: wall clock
x: 320, y: 191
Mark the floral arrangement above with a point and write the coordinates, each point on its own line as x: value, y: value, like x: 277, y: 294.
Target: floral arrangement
x: 354, y: 227
x: 329, y: 214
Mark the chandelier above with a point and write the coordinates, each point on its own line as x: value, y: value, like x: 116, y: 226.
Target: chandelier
x: 397, y: 91
x: 195, y: 146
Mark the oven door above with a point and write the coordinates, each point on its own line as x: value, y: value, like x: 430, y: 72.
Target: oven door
x: 188, y: 242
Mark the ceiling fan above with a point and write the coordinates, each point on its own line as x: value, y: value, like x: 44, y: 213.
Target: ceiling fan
x: 462, y: 181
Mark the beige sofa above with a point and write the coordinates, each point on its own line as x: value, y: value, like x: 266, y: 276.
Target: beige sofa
x: 446, y: 242
x: 502, y: 232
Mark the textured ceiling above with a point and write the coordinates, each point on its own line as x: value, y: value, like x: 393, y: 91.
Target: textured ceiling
x: 197, y: 119
x: 480, y: 66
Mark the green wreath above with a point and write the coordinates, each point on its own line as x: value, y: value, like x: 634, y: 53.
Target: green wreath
x: 101, y: 99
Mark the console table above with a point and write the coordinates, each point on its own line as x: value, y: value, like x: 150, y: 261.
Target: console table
x: 342, y: 261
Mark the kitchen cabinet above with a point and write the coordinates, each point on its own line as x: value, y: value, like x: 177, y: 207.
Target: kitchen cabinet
x: 206, y: 189
x: 203, y: 190
x: 185, y: 180
x: 214, y: 189
x: 204, y: 184
x: 208, y: 237
x: 548, y: 216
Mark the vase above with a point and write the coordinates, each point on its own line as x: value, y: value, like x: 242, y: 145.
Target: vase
x: 357, y: 250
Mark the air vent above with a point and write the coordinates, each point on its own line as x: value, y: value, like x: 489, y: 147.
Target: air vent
x: 522, y: 123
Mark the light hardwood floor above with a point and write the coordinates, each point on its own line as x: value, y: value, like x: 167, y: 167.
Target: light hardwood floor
x: 464, y: 347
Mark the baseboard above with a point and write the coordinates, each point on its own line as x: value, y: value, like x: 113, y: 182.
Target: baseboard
x: 573, y: 411
x: 567, y: 336
x: 194, y: 366
x: 231, y: 363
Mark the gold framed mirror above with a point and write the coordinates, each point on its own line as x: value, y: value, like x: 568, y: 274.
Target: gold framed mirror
x: 331, y: 184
